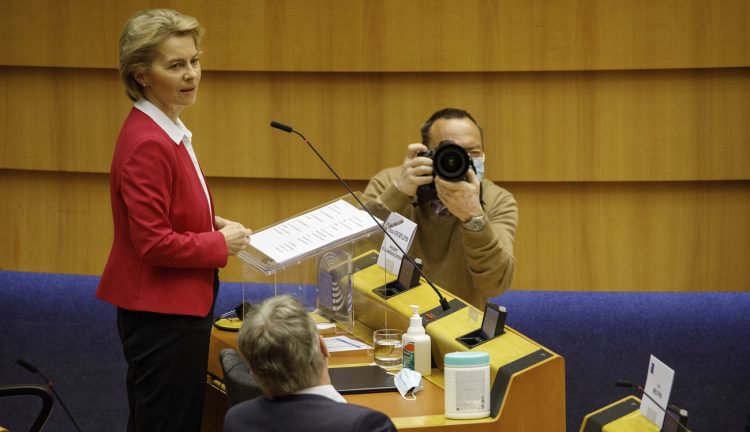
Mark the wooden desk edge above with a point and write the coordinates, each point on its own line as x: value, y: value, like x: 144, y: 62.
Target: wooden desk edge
x: 593, y: 413
x: 515, y: 411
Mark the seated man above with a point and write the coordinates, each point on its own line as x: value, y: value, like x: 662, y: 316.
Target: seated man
x: 465, y: 232
x: 289, y: 360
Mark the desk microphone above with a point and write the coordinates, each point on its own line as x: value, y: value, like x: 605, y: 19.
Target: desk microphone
x: 28, y: 366
x: 443, y: 302
x: 680, y: 412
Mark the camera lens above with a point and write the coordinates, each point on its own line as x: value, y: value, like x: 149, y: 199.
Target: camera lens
x: 451, y: 162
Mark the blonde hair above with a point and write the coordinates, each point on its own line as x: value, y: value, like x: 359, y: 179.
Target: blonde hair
x: 141, y: 36
x: 280, y: 342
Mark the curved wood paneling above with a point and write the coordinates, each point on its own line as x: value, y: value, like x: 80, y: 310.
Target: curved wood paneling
x: 643, y: 236
x: 673, y: 236
x: 60, y: 119
x: 396, y: 35
x: 563, y: 126
x: 54, y: 222
x: 612, y: 121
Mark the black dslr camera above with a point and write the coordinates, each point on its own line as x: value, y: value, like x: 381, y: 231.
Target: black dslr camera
x: 450, y: 162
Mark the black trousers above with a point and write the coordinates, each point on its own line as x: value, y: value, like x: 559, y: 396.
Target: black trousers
x: 167, y: 358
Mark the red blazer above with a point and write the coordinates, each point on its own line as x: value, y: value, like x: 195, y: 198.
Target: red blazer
x: 164, y: 252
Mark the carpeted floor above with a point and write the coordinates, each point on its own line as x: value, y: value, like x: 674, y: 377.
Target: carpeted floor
x: 56, y: 323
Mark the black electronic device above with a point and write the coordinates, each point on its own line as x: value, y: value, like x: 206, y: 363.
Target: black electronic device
x: 443, y: 301
x: 361, y: 379
x: 493, y: 322
x: 493, y: 325
x: 450, y: 162
x: 408, y: 278
x: 675, y: 420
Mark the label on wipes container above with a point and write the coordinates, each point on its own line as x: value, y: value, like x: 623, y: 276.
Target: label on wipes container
x: 470, y: 392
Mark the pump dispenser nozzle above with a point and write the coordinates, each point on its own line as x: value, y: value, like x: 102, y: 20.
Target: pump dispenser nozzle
x: 415, y: 322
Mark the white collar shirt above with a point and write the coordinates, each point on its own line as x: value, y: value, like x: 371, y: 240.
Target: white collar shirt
x: 326, y: 390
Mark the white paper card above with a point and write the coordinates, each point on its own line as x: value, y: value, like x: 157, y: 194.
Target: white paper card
x: 312, y: 230
x: 402, y: 231
x: 658, y: 386
x: 343, y: 343
x: 325, y: 326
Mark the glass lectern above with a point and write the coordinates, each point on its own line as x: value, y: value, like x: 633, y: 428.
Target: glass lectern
x: 312, y: 256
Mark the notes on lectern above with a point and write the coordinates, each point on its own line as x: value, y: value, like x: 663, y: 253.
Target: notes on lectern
x: 312, y: 230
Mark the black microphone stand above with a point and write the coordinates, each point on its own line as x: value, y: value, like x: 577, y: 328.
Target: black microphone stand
x: 443, y: 302
x: 26, y: 365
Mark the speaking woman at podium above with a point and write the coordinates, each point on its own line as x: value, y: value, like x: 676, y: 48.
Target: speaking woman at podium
x: 168, y: 243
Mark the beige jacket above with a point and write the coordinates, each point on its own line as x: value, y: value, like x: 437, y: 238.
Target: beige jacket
x: 474, y: 266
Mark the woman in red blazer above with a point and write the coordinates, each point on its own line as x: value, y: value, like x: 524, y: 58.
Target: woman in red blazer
x: 161, y: 272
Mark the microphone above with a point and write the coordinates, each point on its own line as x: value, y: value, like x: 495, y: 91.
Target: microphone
x: 28, y: 366
x: 680, y: 412
x: 443, y: 302
x: 283, y: 127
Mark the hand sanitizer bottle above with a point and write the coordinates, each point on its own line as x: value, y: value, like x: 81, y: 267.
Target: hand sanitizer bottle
x: 417, y: 345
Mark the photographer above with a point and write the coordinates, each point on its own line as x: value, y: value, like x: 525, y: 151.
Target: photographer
x: 465, y: 226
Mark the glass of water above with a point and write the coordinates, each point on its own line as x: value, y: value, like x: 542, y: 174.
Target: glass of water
x: 388, y: 348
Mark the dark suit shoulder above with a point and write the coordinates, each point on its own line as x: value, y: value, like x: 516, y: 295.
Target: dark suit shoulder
x: 304, y: 413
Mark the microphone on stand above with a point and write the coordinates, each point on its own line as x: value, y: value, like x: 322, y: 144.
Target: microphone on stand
x: 443, y: 302
x: 682, y: 413
x: 28, y: 366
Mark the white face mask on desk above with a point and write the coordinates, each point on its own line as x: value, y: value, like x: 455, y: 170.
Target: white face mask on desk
x: 408, y: 382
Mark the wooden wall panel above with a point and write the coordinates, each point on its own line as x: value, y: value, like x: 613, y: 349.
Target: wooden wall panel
x: 642, y: 236
x: 621, y: 126
x: 561, y: 126
x: 54, y: 222
x: 60, y: 119
x: 396, y: 35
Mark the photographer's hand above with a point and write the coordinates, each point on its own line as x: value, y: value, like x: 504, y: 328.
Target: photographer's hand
x: 415, y: 171
x: 461, y: 197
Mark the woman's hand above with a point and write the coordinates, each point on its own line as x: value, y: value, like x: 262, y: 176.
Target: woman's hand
x: 236, y: 236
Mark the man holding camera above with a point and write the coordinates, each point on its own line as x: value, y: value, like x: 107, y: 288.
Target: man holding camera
x: 466, y: 225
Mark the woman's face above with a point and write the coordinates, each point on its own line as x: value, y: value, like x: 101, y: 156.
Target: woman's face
x: 171, y: 82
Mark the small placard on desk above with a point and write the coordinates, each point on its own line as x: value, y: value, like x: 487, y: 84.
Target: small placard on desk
x: 326, y: 328
x: 343, y: 344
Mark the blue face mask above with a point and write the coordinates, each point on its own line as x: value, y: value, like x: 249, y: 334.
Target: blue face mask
x: 479, y: 166
x: 408, y: 382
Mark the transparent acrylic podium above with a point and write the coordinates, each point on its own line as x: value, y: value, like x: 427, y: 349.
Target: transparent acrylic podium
x: 312, y: 256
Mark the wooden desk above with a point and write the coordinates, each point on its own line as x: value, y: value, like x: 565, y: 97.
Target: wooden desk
x: 534, y: 400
